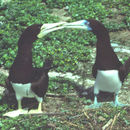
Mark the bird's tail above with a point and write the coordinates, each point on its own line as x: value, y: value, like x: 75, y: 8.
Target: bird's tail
x: 124, y: 70
x: 48, y: 64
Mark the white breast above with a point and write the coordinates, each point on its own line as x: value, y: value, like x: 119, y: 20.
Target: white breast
x: 108, y: 81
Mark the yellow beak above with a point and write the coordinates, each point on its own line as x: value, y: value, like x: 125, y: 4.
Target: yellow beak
x: 47, y: 28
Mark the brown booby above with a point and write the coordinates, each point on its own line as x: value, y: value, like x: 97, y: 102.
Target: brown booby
x: 23, y: 79
x: 108, y: 70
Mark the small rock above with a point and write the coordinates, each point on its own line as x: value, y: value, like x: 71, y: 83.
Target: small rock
x: 114, y: 10
x: 5, y: 2
x: 101, y: 118
x: 2, y: 90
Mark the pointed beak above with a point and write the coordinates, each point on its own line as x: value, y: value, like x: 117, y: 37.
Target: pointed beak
x: 47, y: 28
x: 82, y: 24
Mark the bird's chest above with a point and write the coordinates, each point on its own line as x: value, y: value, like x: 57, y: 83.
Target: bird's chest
x: 21, y: 72
x: 108, y: 81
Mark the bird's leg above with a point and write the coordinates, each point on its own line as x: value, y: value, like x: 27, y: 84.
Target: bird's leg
x: 20, y: 109
x: 19, y: 105
x: 38, y: 110
x: 96, y: 104
x: 116, y: 100
x: 17, y: 112
x: 40, y: 107
x: 95, y: 99
x: 117, y: 103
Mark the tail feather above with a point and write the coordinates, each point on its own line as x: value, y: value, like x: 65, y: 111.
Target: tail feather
x: 48, y: 64
x: 38, y: 72
x: 124, y: 70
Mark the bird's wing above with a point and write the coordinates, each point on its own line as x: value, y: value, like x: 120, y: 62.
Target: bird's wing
x: 94, y: 70
x: 9, y: 86
x: 40, y: 78
x: 40, y: 86
x: 124, y: 70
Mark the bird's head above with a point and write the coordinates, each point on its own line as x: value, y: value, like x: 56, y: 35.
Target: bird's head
x: 36, y: 31
x: 32, y: 32
x: 29, y: 35
x: 88, y: 25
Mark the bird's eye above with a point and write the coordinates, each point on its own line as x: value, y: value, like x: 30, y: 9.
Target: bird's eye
x: 39, y: 26
x: 85, y: 22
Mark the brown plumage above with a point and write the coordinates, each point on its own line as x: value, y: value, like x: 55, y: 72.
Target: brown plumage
x: 108, y: 70
x: 106, y: 59
x: 22, y: 71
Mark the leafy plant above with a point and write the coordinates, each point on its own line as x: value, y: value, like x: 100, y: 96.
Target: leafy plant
x: 17, y: 16
x: 67, y: 47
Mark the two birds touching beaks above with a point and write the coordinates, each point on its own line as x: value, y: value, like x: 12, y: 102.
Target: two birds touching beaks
x: 26, y: 81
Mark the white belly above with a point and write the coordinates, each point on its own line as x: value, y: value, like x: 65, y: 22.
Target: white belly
x: 22, y: 90
x: 107, y: 81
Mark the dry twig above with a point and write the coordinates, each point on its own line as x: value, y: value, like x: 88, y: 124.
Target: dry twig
x: 85, y: 113
x: 60, y: 95
x: 72, y: 124
x: 115, y: 118
x: 91, y: 126
x: 107, y: 125
x: 51, y: 114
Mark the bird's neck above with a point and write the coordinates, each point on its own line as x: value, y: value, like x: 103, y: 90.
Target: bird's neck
x: 25, y: 45
x: 103, y: 38
x: 105, y: 56
x: 21, y: 70
x: 103, y: 44
x: 25, y: 50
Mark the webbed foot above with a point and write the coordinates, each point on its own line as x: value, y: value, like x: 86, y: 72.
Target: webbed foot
x: 16, y: 113
x: 118, y: 104
x: 94, y: 106
x: 35, y: 111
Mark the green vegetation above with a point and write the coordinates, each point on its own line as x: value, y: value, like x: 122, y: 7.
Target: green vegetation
x: 68, y: 48
x: 70, y: 116
x: 15, y: 18
x: 34, y: 124
x: 20, y: 14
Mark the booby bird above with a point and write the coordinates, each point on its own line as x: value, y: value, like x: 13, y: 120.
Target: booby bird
x: 108, y: 70
x: 23, y: 79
